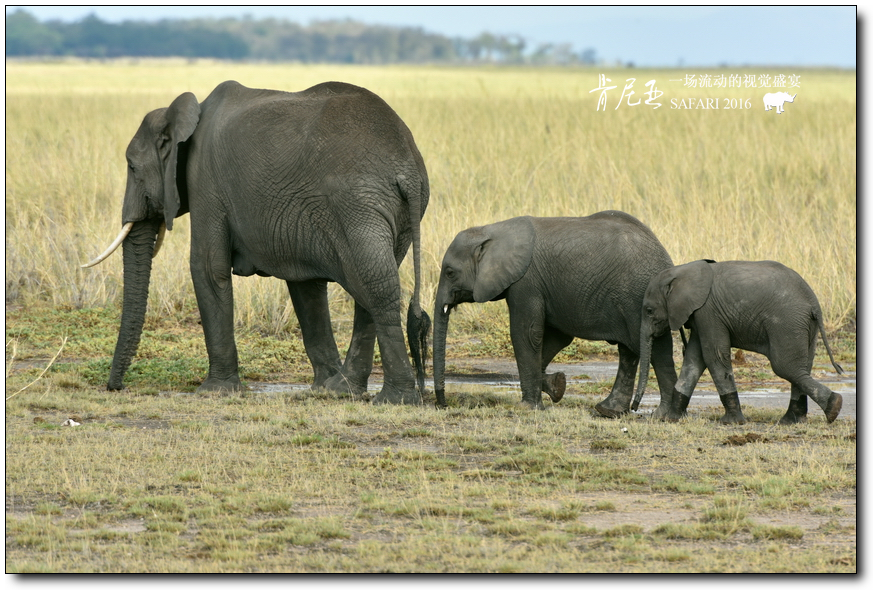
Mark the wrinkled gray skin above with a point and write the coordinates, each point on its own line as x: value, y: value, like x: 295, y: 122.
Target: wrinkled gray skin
x: 763, y: 307
x: 321, y: 185
x: 562, y: 277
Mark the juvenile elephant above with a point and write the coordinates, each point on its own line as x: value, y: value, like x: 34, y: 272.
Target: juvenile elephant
x: 763, y: 307
x: 321, y: 185
x: 562, y: 277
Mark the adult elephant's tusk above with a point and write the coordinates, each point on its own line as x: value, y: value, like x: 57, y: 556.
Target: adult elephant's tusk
x: 112, y: 247
x: 160, y: 239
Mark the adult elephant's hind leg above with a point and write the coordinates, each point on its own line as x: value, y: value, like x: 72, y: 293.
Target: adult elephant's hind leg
x: 618, y: 401
x: 359, y: 359
x: 399, y: 385
x: 375, y: 286
x: 313, y: 314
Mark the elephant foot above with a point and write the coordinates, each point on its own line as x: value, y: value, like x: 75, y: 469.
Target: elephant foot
x: 662, y: 411
x: 393, y: 395
x: 533, y: 404
x: 733, y: 414
x: 678, y: 409
x: 343, y: 386
x: 608, y: 412
x: 796, y: 413
x: 791, y: 418
x: 555, y: 385
x: 440, y: 398
x: 213, y: 384
x: 612, y: 407
x: 835, y: 404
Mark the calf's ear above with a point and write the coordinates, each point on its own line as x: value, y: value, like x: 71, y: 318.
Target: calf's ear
x: 686, y: 290
x: 503, y: 257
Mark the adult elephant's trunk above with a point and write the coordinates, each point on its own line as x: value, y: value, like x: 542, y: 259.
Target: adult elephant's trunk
x: 138, y: 248
x: 441, y: 324
x: 645, y: 359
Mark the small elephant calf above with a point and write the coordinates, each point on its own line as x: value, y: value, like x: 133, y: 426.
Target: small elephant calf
x: 763, y: 307
x: 562, y: 277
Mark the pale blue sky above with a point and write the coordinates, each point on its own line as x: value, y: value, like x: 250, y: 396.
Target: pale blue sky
x: 648, y: 36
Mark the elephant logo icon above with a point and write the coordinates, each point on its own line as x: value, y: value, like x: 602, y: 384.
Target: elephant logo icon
x: 777, y: 99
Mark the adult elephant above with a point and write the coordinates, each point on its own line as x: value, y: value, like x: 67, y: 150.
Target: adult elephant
x: 321, y: 185
x: 562, y: 277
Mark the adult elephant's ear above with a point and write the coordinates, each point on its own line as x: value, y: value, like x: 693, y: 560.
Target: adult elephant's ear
x: 687, y: 291
x: 503, y: 257
x: 182, y: 116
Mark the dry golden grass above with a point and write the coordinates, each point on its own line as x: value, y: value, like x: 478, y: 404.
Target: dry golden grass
x: 722, y: 184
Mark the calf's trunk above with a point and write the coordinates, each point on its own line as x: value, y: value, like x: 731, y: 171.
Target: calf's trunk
x: 441, y: 325
x: 645, y: 360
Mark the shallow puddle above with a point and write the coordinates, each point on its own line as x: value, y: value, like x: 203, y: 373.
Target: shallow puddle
x: 501, y: 376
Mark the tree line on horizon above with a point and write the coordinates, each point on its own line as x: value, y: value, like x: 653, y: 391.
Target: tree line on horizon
x: 329, y: 41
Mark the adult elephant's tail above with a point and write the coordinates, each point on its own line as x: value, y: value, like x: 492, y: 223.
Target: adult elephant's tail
x: 417, y: 320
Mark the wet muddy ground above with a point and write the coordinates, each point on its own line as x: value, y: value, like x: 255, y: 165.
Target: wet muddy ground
x: 501, y: 375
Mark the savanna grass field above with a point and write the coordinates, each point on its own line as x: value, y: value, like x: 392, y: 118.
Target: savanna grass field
x: 275, y: 479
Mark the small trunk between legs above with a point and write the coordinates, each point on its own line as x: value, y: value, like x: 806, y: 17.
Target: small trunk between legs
x: 440, y: 327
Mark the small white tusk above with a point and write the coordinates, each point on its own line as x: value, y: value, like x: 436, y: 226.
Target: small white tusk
x: 160, y: 239
x: 445, y: 309
x: 112, y: 247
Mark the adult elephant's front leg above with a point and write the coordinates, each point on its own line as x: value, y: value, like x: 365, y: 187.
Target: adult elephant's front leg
x: 619, y: 399
x: 210, y: 272
x: 313, y: 314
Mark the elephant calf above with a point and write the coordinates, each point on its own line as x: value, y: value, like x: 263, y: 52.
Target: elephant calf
x: 562, y: 277
x: 763, y: 307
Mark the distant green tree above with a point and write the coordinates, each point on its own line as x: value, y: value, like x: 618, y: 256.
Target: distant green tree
x: 337, y: 41
x: 27, y: 36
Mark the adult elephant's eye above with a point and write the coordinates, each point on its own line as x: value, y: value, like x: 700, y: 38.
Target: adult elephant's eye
x: 649, y: 311
x: 450, y: 273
